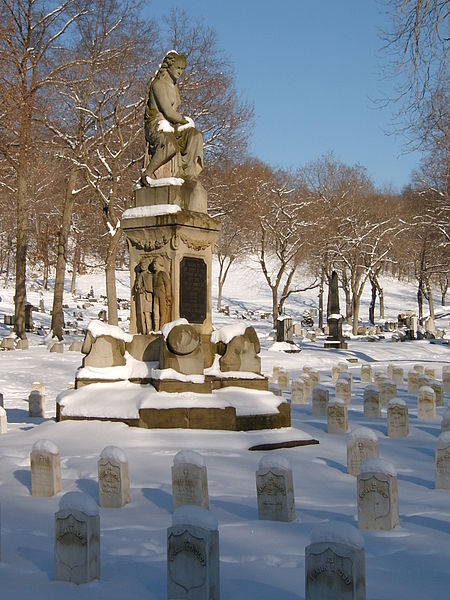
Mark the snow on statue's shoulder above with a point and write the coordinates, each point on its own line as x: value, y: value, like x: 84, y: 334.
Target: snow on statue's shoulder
x: 341, y: 533
x: 156, y: 210
x: 195, y: 516
x: 227, y: 333
x: 99, y: 328
x: 78, y: 501
x: 114, y: 453
x: 45, y: 446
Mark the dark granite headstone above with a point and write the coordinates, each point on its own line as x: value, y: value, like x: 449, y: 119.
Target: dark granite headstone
x: 193, y: 289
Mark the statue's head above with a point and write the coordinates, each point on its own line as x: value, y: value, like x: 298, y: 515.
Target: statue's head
x: 174, y: 64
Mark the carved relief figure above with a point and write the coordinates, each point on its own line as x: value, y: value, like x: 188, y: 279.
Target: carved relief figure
x: 162, y: 294
x: 143, y: 288
x: 168, y: 133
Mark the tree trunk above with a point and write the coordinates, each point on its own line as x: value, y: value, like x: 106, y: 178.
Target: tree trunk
x: 420, y: 299
x: 110, y: 272
x: 348, y: 298
x: 356, y: 302
x: 274, y: 306
x: 63, y: 237
x: 430, y: 299
x: 443, y: 297
x: 223, y: 272
x: 373, y: 300
x: 381, y: 300
x: 321, y: 291
x: 20, y: 297
x: 75, y: 267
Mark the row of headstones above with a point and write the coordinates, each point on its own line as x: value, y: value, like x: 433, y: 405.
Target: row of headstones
x: 11, y: 343
x: 36, y: 402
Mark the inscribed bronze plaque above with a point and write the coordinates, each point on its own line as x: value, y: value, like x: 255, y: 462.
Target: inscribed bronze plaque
x: 193, y: 289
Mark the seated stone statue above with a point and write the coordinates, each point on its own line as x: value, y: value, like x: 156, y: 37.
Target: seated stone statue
x: 169, y: 134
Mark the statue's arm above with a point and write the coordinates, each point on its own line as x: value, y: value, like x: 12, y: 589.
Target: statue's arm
x: 162, y: 99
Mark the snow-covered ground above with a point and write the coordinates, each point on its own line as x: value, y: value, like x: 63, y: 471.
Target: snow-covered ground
x: 259, y: 559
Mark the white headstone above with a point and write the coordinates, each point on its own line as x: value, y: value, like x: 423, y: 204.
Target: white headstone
x: 419, y: 369
x: 77, y: 539
x: 189, y: 480
x: 388, y: 390
x: 366, y: 373
x: 426, y: 403
x: 372, y: 402
x: 397, y: 419
x: 438, y: 388
x: 193, y: 555
x: 397, y: 375
x: 335, y: 563
x: 283, y: 379
x: 275, y: 489
x: 343, y: 390
x: 45, y: 469
x: 298, y: 392
x: 113, y: 478
x: 443, y: 462
x: 413, y: 382
x: 377, y: 495
x: 36, y: 404
x: 3, y: 421
x: 337, y: 416
x: 362, y: 444
x: 320, y: 399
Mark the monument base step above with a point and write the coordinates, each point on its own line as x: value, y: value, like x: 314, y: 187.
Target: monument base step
x: 336, y: 344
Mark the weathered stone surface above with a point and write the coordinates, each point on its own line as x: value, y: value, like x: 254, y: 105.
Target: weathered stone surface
x: 320, y: 399
x: 419, y: 369
x: 337, y: 416
x: 446, y: 380
x: 445, y: 423
x: 397, y: 419
x: 283, y: 379
x: 366, y: 373
x: 193, y: 555
x: 442, y: 461
x: 7, y: 343
x: 22, y: 345
x: 438, y: 388
x: 426, y: 403
x: 275, y: 489
x: 189, y: 480
x: 103, y: 351
x: 362, y: 444
x: 113, y: 478
x: 45, y: 469
x: 377, y: 496
x: 397, y: 375
x: 36, y: 404
x: 388, y: 390
x: 430, y: 372
x: 413, y: 382
x: 372, y: 402
x: 285, y: 329
x: 298, y: 392
x: 241, y: 353
x: 77, y: 539
x: 76, y: 346
x: 335, y: 564
x: 343, y: 390
x: 57, y: 347
x: 182, y: 351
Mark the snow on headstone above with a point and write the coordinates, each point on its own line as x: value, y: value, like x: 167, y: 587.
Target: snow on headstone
x: 189, y: 480
x: 372, y: 402
x: 45, y: 469
x: 366, y: 374
x: 3, y: 421
x: 275, y: 489
x: 320, y: 399
x: 193, y: 555
x: 377, y: 495
x: 337, y: 414
x: 77, y: 539
x: 36, y: 404
x: 362, y: 444
x: 113, y: 478
x: 442, y: 461
x: 38, y: 386
x: 343, y: 390
x: 298, y: 392
x: 426, y: 403
x: 397, y: 419
x: 388, y: 390
x: 335, y: 564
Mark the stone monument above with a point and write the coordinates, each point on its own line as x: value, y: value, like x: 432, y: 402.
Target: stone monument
x: 335, y: 338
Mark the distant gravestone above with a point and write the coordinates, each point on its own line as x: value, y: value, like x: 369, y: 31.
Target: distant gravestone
x: 335, y: 563
x: 377, y: 495
x: 36, y: 404
x: 275, y: 373
x: 189, y: 480
x: 446, y: 380
x: 423, y: 380
x: 3, y: 421
x: 320, y: 399
x: 426, y: 403
x: 430, y: 372
x: 362, y: 444
x: 438, y: 388
x: 337, y: 416
x: 37, y: 386
x: 335, y: 372
x: 193, y: 555
x: 314, y: 377
x: 275, y: 489
x: 283, y: 379
x: 113, y: 478
x: 76, y: 346
x: 378, y: 377
x: 413, y: 382
x: 445, y: 423
x: 343, y: 390
x: 366, y: 374
x: 388, y: 390
x: 285, y: 329
x: 347, y: 376
x: 372, y: 402
x: 45, y: 469
x: 397, y: 419
x: 298, y: 392
x: 307, y: 384
x: 419, y: 369
x: 77, y: 539
x: 442, y: 459
x: 397, y: 375
x: 7, y: 343
x: 57, y: 347
x: 22, y: 345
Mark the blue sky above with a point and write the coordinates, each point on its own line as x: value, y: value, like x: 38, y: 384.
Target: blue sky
x: 312, y: 69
